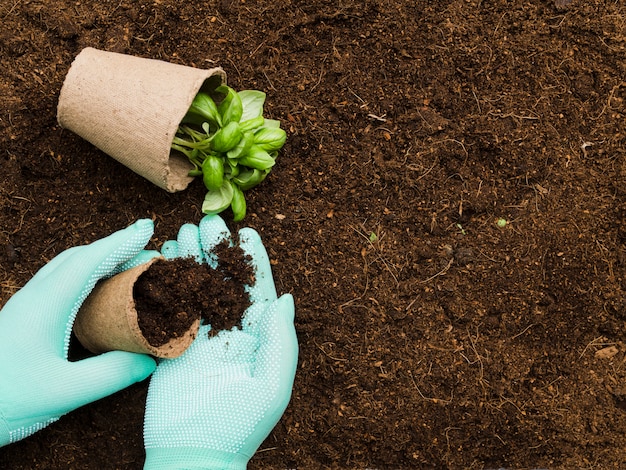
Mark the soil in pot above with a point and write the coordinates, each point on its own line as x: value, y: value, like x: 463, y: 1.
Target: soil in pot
x: 172, y: 294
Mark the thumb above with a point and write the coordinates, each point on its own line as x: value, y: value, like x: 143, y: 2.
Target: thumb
x: 278, y: 352
x: 277, y: 360
x: 99, y: 376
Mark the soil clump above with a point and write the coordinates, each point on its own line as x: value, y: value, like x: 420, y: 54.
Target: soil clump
x: 172, y: 294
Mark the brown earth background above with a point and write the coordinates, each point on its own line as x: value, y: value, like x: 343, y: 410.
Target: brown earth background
x: 429, y: 337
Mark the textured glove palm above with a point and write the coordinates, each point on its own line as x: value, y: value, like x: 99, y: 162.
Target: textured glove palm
x: 37, y: 382
x: 213, y: 406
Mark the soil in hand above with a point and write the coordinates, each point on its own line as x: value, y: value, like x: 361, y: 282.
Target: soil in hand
x: 172, y: 294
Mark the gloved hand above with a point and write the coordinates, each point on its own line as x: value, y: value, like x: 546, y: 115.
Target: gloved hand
x: 37, y: 382
x: 213, y: 406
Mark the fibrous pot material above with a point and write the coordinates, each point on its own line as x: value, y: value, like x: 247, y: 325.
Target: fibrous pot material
x: 107, y: 320
x: 130, y: 108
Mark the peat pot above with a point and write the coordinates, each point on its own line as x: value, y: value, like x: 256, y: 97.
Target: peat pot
x: 130, y: 108
x: 108, y: 320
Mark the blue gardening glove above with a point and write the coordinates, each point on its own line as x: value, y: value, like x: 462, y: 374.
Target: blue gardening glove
x: 213, y: 406
x: 37, y: 382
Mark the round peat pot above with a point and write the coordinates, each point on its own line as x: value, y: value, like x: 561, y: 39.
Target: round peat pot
x: 130, y: 108
x: 108, y: 321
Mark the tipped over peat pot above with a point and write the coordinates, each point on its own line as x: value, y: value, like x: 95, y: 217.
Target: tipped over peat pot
x: 130, y: 108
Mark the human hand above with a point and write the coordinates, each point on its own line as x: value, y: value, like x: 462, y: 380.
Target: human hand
x: 213, y: 406
x: 37, y: 382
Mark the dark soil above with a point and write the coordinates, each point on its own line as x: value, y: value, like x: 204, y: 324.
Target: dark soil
x: 429, y: 337
x: 164, y: 309
x: 171, y: 294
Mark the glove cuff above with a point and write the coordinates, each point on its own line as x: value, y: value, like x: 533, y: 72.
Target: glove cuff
x: 193, y: 458
x: 5, y: 432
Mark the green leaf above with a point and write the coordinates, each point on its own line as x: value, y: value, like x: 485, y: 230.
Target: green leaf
x: 230, y: 145
x: 252, y: 124
x: 252, y: 102
x: 227, y: 137
x: 271, y: 123
x: 242, y: 147
x: 238, y: 204
x: 249, y: 178
x: 231, y: 168
x: 191, y: 118
x: 269, y: 138
x: 213, y: 172
x: 257, y: 158
x: 231, y: 107
x: 203, y: 106
x: 217, y: 201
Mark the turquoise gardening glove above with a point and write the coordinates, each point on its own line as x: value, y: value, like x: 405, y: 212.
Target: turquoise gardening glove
x: 212, y: 407
x: 37, y: 382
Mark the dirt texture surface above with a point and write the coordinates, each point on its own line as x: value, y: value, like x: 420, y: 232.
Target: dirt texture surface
x: 430, y: 337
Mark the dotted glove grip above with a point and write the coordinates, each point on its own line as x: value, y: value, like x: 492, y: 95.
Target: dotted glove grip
x: 213, y: 406
x: 37, y: 382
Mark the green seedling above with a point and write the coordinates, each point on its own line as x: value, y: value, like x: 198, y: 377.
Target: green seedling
x: 230, y: 144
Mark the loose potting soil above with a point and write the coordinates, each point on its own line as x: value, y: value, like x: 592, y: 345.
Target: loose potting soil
x: 172, y: 294
x: 429, y: 336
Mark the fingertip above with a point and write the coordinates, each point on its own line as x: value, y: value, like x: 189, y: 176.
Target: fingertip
x: 210, y: 218
x: 285, y: 304
x: 147, y: 365
x: 144, y: 229
x: 107, y: 373
x: 169, y: 250
x: 187, y: 228
x: 213, y: 227
x: 213, y: 231
x: 132, y: 367
x: 263, y: 287
x: 189, y: 242
x: 280, y: 321
x: 251, y: 243
x: 144, y: 224
x: 249, y: 235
